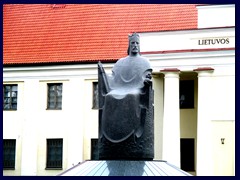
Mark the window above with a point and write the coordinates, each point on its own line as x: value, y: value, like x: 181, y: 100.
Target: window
x: 95, y: 95
x: 10, y: 97
x: 94, y: 149
x: 9, y: 148
x: 54, y: 96
x: 186, y: 98
x: 54, y: 153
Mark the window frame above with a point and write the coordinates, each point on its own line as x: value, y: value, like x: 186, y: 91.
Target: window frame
x: 10, y: 97
x: 56, y: 97
x: 49, y: 142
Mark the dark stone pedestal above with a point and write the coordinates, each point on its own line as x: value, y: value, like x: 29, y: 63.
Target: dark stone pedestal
x: 132, y: 148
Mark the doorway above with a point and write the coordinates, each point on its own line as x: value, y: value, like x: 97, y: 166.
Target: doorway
x: 187, y: 154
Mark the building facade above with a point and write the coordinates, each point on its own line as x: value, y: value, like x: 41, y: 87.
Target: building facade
x: 50, y: 115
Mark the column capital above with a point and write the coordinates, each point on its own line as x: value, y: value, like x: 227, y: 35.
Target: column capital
x: 204, y: 71
x: 171, y: 72
x: 201, y: 69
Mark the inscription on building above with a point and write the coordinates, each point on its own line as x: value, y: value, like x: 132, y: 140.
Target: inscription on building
x: 213, y: 41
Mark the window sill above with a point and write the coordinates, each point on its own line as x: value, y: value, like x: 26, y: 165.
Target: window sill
x: 8, y: 168
x: 185, y: 107
x: 54, y: 109
x: 60, y: 168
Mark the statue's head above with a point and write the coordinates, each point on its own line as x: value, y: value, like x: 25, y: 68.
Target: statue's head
x: 134, y: 44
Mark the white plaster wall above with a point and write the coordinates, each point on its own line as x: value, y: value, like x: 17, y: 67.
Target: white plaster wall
x: 91, y: 117
x: 216, y: 16
x: 30, y: 127
x: 223, y: 86
x: 74, y: 109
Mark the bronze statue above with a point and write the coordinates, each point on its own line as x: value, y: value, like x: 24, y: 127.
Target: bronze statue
x: 126, y: 107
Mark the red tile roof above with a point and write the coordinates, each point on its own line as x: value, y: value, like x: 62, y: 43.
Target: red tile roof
x: 44, y: 33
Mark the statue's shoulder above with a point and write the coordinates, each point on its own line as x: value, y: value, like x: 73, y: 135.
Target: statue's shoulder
x: 128, y: 57
x: 140, y: 60
x: 121, y: 60
x: 144, y: 61
x: 144, y: 58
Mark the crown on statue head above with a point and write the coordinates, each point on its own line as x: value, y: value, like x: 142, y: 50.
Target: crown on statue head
x: 133, y: 36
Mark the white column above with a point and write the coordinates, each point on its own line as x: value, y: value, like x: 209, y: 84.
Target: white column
x: 29, y: 130
x: 171, y: 117
x: 204, y: 144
